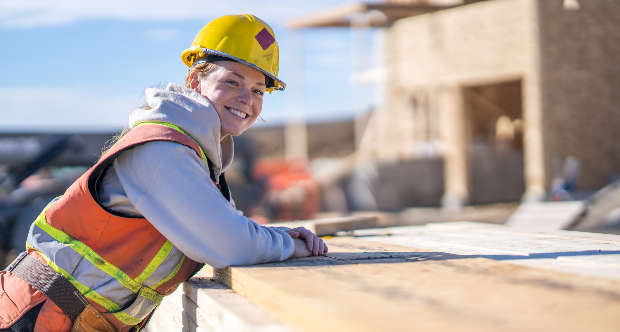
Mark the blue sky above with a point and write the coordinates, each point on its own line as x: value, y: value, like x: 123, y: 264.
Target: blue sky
x: 82, y: 66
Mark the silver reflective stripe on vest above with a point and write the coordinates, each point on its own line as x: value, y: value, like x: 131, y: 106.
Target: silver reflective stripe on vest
x: 79, y: 268
x: 140, y: 308
x: 165, y: 268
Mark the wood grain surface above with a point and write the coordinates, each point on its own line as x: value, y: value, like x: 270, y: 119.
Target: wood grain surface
x: 215, y: 307
x: 369, y: 286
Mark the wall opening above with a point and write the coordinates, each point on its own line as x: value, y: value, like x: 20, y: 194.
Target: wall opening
x: 494, y: 130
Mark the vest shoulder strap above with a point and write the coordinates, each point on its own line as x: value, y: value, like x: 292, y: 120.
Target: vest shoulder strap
x: 148, y: 132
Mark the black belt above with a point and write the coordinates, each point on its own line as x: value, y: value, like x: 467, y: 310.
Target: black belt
x: 51, y: 283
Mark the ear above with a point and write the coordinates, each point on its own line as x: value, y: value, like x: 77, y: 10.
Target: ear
x: 194, y: 81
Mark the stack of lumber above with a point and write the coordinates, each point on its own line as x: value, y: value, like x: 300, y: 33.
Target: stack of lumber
x: 455, y: 276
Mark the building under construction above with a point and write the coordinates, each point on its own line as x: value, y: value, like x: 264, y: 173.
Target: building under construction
x: 517, y: 98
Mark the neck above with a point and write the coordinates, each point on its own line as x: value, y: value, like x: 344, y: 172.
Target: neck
x: 222, y: 136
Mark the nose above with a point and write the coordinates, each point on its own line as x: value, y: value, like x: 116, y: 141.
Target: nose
x: 245, y: 97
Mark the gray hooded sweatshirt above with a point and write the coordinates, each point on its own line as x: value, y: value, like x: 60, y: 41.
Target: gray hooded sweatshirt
x: 169, y: 185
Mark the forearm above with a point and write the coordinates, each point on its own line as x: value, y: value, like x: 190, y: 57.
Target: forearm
x: 178, y: 198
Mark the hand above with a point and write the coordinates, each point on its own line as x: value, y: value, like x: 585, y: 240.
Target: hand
x: 300, y: 249
x: 314, y: 244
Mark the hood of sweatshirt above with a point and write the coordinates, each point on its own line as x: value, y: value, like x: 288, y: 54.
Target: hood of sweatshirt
x: 192, y: 112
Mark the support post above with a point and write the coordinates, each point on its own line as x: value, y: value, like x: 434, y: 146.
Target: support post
x: 452, y: 131
x: 532, y: 111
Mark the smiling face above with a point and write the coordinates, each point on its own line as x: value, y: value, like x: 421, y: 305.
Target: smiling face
x: 236, y: 91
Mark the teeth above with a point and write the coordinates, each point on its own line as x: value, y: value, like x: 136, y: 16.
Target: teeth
x: 237, y: 113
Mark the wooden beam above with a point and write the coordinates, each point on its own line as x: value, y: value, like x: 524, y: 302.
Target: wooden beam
x: 488, y: 105
x: 342, y: 16
x: 204, y: 305
x: 371, y: 286
x: 188, y: 323
x: 215, y: 307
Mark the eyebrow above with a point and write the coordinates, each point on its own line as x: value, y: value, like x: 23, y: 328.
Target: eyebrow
x: 243, y: 78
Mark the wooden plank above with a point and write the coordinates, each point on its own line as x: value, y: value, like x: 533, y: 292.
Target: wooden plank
x: 169, y: 315
x: 547, y: 215
x: 370, y: 286
x: 594, y: 259
x: 496, y: 237
x: 215, y: 307
x: 470, y: 226
x: 564, y: 251
x: 188, y: 323
x: 330, y: 226
x: 203, y: 304
x: 601, y: 270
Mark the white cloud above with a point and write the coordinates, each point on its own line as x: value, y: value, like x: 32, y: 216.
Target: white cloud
x: 33, y: 13
x: 63, y: 108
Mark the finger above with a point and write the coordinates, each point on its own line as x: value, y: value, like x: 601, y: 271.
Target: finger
x: 305, y: 234
x: 326, y: 250
x: 316, y: 246
x: 309, y: 244
x: 321, y: 247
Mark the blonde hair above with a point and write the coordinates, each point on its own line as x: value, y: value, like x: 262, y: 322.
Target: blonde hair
x: 203, y: 69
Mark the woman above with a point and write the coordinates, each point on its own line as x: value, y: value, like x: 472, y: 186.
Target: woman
x: 156, y: 206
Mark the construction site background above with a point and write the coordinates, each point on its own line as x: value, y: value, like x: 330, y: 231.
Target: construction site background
x: 487, y: 104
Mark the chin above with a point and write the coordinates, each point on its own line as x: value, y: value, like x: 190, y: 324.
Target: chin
x: 235, y: 132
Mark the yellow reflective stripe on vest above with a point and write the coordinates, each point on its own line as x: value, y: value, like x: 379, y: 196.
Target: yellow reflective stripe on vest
x: 154, y: 264
x: 88, y: 253
x: 98, y: 262
x: 110, y: 306
x: 126, y: 319
x: 177, y: 128
x: 147, y: 298
x: 176, y: 270
x: 87, y: 292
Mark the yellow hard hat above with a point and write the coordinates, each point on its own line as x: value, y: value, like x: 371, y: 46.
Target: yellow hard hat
x: 243, y: 38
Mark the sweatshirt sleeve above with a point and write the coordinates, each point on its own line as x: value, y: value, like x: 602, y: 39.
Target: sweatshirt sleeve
x: 170, y: 186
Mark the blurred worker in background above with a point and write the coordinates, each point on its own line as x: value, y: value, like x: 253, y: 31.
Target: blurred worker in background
x: 156, y: 206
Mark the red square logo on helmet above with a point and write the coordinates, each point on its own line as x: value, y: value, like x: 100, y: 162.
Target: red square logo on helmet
x: 265, y: 39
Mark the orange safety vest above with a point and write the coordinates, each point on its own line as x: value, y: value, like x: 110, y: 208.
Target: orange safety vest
x: 122, y: 265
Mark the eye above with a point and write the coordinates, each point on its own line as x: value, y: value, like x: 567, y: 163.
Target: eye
x: 232, y: 82
x: 259, y: 92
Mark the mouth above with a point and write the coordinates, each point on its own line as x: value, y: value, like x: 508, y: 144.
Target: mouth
x: 237, y: 112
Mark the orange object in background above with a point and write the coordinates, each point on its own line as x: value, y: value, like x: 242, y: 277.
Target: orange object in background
x: 292, y: 192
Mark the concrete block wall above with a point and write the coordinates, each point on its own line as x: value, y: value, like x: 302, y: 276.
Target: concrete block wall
x: 481, y: 41
x: 580, y: 70
x: 565, y: 58
x: 437, y: 55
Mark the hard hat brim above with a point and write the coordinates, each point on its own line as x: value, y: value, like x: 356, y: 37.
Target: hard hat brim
x: 280, y: 84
